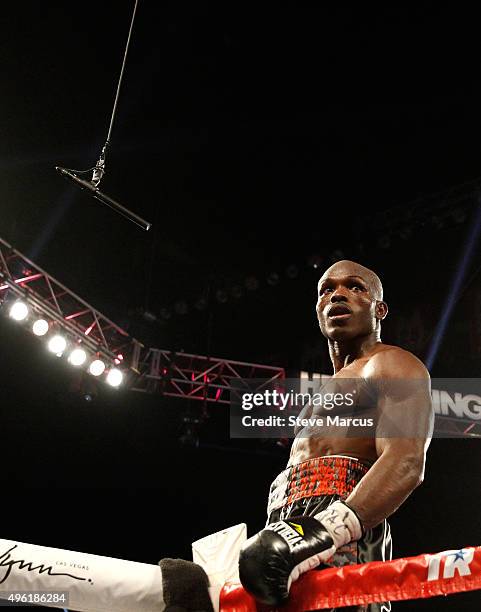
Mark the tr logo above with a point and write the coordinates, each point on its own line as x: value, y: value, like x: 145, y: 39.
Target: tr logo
x: 454, y: 561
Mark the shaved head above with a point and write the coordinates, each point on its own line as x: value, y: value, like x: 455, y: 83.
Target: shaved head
x: 351, y: 268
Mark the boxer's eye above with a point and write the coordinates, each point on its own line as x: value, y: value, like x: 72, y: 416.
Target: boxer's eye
x: 325, y: 290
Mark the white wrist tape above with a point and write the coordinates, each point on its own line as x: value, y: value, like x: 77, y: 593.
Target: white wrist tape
x: 341, y: 522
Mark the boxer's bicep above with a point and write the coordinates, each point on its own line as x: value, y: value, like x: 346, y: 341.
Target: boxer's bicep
x: 404, y: 417
x: 404, y: 430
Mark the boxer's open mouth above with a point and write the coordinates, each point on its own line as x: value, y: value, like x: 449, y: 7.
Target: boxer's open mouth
x: 338, y: 312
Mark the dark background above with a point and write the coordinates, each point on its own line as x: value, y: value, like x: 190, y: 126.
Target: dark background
x: 259, y: 139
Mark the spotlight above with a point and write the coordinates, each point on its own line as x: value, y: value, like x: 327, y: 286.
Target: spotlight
x: 97, y: 367
x: 115, y: 377
x: 201, y: 303
x: 57, y: 345
x: 292, y: 271
x: 78, y: 357
x: 149, y: 316
x: 181, y: 307
x: 236, y: 292
x: 314, y: 261
x: 19, y: 311
x: 165, y: 314
x: 40, y: 327
x: 221, y: 296
x: 251, y: 283
x: 273, y: 279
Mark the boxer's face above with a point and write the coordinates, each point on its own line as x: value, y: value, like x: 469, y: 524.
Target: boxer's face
x: 346, y: 307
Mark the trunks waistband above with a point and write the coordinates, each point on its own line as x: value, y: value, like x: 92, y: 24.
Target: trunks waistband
x: 330, y: 475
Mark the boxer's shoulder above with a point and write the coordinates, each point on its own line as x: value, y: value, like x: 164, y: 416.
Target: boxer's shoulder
x: 391, y: 361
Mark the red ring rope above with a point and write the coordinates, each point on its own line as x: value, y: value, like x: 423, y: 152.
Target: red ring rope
x: 444, y: 573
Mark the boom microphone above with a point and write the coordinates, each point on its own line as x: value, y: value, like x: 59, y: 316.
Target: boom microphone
x: 102, y: 197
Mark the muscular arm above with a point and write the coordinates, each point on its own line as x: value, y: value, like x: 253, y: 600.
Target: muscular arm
x: 404, y: 431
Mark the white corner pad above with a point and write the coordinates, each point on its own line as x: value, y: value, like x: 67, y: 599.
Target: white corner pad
x: 218, y: 555
x: 93, y: 583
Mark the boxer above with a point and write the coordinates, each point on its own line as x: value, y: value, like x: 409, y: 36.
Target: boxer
x: 329, y: 507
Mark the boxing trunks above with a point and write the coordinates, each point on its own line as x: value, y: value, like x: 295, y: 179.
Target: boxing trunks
x: 310, y: 487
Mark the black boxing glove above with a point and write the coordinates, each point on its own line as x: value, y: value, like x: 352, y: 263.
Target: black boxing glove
x: 272, y: 560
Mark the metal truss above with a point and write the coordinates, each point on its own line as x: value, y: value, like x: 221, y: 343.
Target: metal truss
x: 20, y: 278
x: 151, y: 370
x: 453, y: 427
x: 198, y: 377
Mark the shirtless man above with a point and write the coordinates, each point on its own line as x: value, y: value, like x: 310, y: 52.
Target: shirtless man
x: 337, y: 491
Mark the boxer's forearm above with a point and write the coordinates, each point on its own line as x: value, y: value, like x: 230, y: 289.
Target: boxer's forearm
x: 385, y: 487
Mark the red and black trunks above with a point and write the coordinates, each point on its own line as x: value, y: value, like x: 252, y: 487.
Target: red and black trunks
x: 309, y: 487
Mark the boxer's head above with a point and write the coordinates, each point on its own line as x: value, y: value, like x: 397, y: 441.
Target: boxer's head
x: 349, y: 303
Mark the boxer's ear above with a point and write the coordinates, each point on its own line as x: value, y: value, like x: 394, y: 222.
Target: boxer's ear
x: 381, y: 310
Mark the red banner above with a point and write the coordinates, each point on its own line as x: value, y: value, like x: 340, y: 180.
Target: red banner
x: 452, y: 571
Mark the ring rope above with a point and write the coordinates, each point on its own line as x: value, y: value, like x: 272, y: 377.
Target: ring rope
x: 427, y: 575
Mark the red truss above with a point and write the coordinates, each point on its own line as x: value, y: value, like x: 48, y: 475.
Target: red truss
x: 197, y: 377
x: 22, y: 278
x: 152, y: 370
x: 453, y: 427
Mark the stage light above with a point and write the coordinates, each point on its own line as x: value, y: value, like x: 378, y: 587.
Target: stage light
x: 314, y: 261
x: 40, y: 327
x: 78, y: 357
x: 273, y: 279
x: 115, y: 377
x: 201, y: 303
x: 19, y: 311
x: 236, y: 292
x: 406, y: 232
x: 181, y: 307
x: 97, y: 367
x: 292, y: 271
x: 149, y: 316
x: 57, y: 345
x: 251, y: 283
x: 221, y: 296
x: 165, y: 314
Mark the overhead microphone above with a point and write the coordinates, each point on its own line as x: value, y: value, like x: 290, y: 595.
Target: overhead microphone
x: 102, y: 197
x: 99, y: 170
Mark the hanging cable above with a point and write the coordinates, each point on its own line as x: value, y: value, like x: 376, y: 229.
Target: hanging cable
x: 98, y: 170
